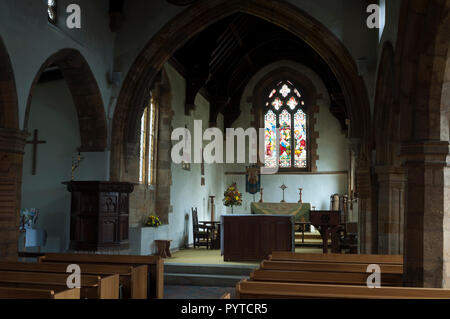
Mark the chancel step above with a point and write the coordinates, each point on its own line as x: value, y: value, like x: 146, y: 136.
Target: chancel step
x: 205, y: 275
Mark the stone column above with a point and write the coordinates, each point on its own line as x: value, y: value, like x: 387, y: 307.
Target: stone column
x: 391, y: 186
x: 364, y: 196
x: 12, y: 144
x: 427, y: 214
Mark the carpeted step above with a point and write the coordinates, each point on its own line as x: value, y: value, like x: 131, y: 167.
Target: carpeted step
x: 202, y: 280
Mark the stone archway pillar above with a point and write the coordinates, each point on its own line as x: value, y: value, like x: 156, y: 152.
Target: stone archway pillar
x: 12, y: 144
x: 427, y: 214
x: 363, y: 189
x: 391, y: 188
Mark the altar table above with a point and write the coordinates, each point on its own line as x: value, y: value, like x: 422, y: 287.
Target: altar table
x: 300, y: 211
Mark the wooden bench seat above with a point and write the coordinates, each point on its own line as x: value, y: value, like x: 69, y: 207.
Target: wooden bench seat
x: 92, y: 287
x: 322, y: 277
x: 27, y: 293
x: 337, y: 258
x: 274, y: 290
x: 155, y: 266
x: 132, y: 279
x: 328, y: 266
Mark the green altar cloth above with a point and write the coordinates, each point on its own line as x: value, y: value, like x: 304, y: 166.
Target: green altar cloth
x: 300, y: 211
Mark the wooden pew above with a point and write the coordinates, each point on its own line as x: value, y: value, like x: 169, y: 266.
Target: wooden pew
x: 275, y: 290
x: 226, y: 295
x: 155, y: 266
x: 132, y: 279
x: 92, y: 287
x: 26, y: 293
x: 323, y: 277
x: 328, y: 266
x: 337, y: 258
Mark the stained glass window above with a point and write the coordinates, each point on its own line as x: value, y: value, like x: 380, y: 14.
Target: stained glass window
x: 147, y: 145
x: 285, y: 111
x: 51, y: 11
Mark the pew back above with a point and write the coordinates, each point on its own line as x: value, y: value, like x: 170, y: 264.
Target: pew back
x: 328, y: 266
x: 322, y: 277
x: 337, y: 258
x: 155, y: 266
x: 27, y: 293
x: 92, y: 287
x: 132, y: 279
x: 275, y: 290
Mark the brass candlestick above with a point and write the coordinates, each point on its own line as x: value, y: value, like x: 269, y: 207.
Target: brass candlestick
x: 261, y: 192
x: 283, y: 187
x: 300, y: 190
x: 76, y: 163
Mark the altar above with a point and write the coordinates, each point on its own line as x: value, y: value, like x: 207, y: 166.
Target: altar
x: 300, y: 211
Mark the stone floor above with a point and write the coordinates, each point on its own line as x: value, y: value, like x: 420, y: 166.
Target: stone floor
x: 196, y: 292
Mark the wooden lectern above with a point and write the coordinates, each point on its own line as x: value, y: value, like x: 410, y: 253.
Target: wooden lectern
x: 99, y: 215
x: 328, y: 222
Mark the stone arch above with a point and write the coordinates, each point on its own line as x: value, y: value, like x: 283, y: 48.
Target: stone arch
x: 86, y: 95
x: 423, y: 49
x: 9, y: 112
x: 386, y: 114
x: 145, y: 199
x: 135, y: 89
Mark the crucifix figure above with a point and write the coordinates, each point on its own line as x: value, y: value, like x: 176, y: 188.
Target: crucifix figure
x: 35, y: 143
x: 283, y: 187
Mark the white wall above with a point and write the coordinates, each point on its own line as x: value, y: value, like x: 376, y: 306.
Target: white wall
x: 54, y: 115
x: 186, y: 191
x: 30, y: 39
x: 332, y: 151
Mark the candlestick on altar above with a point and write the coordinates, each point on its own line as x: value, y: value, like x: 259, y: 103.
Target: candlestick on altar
x: 261, y: 192
x: 300, y: 193
x: 283, y: 187
x: 76, y: 160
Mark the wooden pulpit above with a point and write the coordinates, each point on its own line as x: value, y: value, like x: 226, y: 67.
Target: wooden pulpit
x: 99, y: 215
x: 327, y: 222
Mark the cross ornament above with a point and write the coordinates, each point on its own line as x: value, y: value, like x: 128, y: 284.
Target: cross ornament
x: 35, y: 143
x: 283, y: 188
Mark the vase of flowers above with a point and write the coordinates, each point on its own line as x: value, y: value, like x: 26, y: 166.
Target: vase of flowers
x: 232, y: 197
x: 152, y: 221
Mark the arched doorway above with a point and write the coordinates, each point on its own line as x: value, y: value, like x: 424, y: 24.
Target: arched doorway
x: 65, y: 114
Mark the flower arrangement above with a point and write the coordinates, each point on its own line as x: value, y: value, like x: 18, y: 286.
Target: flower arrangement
x: 28, y: 218
x: 152, y: 221
x: 232, y: 197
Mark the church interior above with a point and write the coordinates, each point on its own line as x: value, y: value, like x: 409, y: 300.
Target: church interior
x: 234, y: 149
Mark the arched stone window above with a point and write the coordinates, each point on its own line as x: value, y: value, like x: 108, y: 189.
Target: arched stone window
x: 286, y: 99
x: 285, y: 110
x: 147, y: 154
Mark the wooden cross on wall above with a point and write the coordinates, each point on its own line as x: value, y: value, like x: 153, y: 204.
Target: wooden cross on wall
x: 35, y: 143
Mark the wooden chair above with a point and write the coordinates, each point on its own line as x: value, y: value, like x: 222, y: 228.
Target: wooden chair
x: 202, y: 233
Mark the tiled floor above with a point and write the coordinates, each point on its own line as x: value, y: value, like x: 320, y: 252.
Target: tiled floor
x: 196, y: 292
